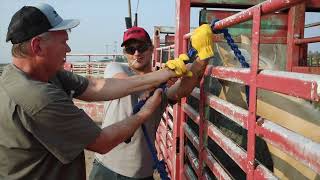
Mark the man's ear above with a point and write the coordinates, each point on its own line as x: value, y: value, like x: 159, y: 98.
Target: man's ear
x: 152, y: 47
x: 35, y: 45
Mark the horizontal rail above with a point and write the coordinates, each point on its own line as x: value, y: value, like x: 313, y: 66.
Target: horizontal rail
x: 307, y: 40
x: 301, y: 85
x: 194, y: 161
x: 79, y: 54
x: 266, y: 7
x: 189, y: 173
x: 215, y: 167
x: 193, y: 114
x: 191, y: 136
x: 312, y: 25
x: 236, y: 113
x: 298, y: 146
x: 165, y: 47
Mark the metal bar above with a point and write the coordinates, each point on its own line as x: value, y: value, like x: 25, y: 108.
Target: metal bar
x: 302, y: 149
x: 165, y: 47
x: 202, y: 134
x: 294, y: 84
x: 307, y: 40
x: 295, y: 30
x: 237, y: 114
x: 312, y: 25
x: 156, y: 44
x: 188, y: 173
x: 266, y: 7
x: 182, y: 24
x: 78, y: 54
x: 194, y: 161
x: 215, y: 167
x: 194, y: 139
x: 237, y: 75
x: 191, y: 112
x: 236, y: 153
x: 306, y: 69
x: 251, y: 145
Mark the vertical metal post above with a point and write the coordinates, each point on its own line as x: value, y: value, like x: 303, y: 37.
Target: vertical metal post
x: 201, y: 128
x: 253, y: 92
x: 296, y: 18
x: 156, y: 44
x: 182, y: 27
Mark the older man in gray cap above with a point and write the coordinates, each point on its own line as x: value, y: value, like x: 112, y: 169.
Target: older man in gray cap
x: 43, y: 134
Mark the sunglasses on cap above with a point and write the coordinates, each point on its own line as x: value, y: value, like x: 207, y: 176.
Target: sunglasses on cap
x: 132, y: 49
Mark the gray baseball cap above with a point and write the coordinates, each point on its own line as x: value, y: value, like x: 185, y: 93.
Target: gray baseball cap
x: 33, y: 20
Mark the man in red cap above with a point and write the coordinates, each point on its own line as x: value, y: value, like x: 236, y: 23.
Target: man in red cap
x: 133, y: 160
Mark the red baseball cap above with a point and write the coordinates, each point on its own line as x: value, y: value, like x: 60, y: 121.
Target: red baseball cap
x: 136, y: 33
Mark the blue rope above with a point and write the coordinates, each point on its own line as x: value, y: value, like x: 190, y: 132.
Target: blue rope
x: 159, y: 165
x: 235, y: 49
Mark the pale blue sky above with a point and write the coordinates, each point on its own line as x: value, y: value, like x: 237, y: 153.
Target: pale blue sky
x: 102, y: 21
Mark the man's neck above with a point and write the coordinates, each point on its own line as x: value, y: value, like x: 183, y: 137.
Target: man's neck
x: 140, y: 72
x: 30, y: 68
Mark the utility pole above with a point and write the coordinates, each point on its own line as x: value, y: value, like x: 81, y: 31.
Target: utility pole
x: 129, y: 8
x: 115, y: 51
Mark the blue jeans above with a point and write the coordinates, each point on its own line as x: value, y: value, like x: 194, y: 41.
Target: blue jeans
x: 100, y: 172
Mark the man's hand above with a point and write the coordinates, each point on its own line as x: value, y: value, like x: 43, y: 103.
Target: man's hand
x: 201, y: 40
x: 178, y: 66
x: 151, y: 104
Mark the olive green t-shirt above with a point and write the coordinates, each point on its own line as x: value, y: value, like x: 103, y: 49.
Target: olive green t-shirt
x: 42, y: 133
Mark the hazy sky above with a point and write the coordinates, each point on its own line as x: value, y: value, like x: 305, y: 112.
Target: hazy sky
x: 102, y: 21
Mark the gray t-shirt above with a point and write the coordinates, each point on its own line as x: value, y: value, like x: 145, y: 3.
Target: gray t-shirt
x: 133, y: 159
x: 42, y: 133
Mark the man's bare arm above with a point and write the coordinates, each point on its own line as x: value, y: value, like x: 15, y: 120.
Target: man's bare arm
x: 116, y: 133
x: 114, y: 88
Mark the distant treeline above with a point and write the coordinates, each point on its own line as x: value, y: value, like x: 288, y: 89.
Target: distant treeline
x: 314, y: 58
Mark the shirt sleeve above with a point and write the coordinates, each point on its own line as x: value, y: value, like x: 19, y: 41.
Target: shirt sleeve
x: 114, y: 68
x: 72, y: 82
x: 63, y: 129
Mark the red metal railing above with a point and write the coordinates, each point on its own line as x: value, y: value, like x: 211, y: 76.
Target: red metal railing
x: 306, y: 86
